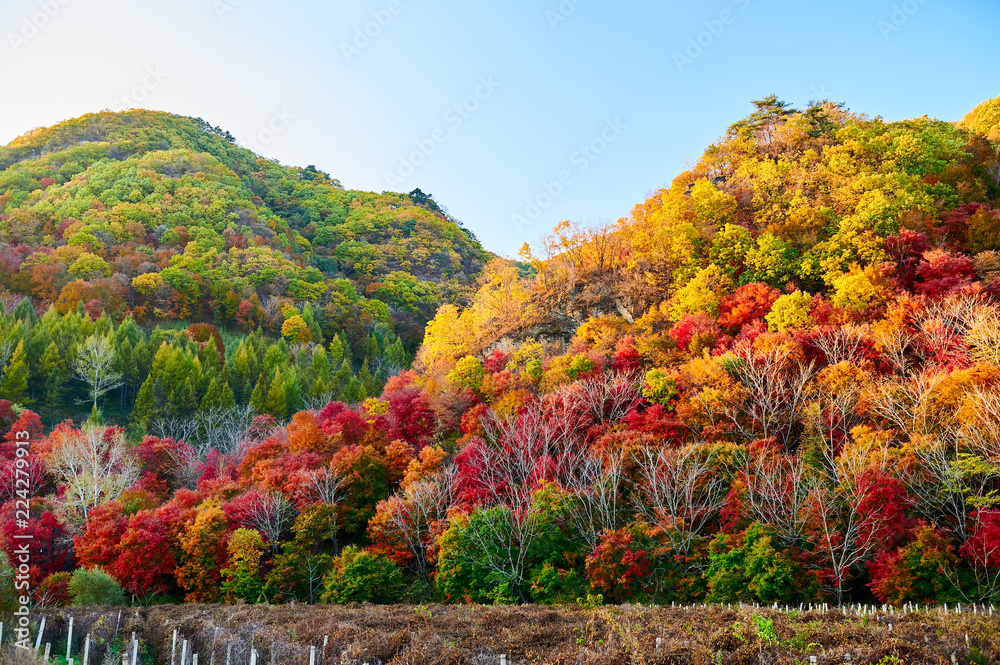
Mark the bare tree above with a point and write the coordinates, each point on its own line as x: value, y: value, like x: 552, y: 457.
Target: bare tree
x: 96, y: 365
x: 983, y: 335
x: 895, y: 344
x: 842, y: 344
x: 222, y: 428
x: 610, y: 396
x: 909, y: 404
x: 94, y: 467
x: 845, y: 537
x: 317, y: 402
x: 178, y: 428
x: 417, y: 514
x: 327, y: 485
x: 681, y: 493
x: 774, y: 392
x: 946, y: 487
x: 777, y: 490
x: 271, y: 514
x: 981, y: 433
x: 598, y: 502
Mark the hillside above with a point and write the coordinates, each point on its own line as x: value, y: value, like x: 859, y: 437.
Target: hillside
x: 776, y: 381
x: 165, y: 217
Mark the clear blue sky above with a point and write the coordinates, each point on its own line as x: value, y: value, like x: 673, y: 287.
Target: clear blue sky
x: 250, y: 65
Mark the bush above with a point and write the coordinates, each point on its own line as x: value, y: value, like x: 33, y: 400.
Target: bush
x: 242, y: 579
x: 8, y: 596
x: 95, y: 587
x: 359, y: 576
x: 748, y: 568
x: 54, y: 591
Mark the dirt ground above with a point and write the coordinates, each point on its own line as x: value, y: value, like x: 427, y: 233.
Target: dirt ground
x: 477, y: 635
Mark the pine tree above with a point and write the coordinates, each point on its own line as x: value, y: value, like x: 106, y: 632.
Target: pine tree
x: 293, y: 393
x: 145, y: 408
x: 212, y: 398
x: 226, y: 399
x: 53, y: 369
x: 310, y: 319
x: 275, y: 357
x: 25, y: 311
x: 343, y: 375
x: 355, y: 392
x: 336, y: 351
x: 15, y: 376
x: 259, y: 395
x: 396, y: 355
x: 276, y: 403
x: 321, y: 373
x: 371, y: 383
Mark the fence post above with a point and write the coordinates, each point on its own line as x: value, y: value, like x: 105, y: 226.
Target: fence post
x: 135, y: 650
x: 312, y: 655
x: 253, y: 656
x: 215, y: 638
x: 184, y: 650
x: 194, y: 660
x: 38, y: 640
x: 48, y: 649
x: 173, y: 648
x: 86, y: 650
x: 229, y: 653
x: 69, y: 639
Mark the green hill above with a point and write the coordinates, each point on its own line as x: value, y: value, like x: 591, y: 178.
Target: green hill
x: 165, y: 217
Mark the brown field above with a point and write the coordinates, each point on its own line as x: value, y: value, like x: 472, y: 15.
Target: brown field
x: 478, y: 635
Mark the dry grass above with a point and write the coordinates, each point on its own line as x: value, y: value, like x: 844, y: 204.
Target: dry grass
x: 477, y: 635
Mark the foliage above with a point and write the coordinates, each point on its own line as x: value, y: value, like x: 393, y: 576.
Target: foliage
x: 94, y: 587
x: 360, y: 576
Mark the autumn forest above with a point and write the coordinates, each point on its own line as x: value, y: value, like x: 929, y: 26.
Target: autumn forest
x: 775, y: 381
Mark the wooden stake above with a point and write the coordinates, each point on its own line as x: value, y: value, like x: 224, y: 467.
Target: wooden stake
x: 184, y: 651
x: 86, y: 650
x: 173, y: 648
x: 312, y: 655
x: 38, y: 640
x: 69, y: 639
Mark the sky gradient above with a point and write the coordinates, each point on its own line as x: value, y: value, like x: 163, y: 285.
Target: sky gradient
x: 514, y: 115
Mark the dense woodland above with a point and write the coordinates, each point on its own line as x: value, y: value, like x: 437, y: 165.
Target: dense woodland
x: 777, y: 380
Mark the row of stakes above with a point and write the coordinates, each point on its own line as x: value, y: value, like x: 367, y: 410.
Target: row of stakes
x: 69, y: 644
x: 254, y: 656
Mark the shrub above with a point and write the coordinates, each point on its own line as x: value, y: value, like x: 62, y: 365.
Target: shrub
x: 8, y: 596
x: 242, y: 579
x: 555, y: 586
x: 748, y: 568
x: 619, y: 567
x: 54, y: 591
x: 358, y: 576
x: 95, y: 587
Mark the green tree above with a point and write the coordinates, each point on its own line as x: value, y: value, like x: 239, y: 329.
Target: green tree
x: 276, y: 402
x: 94, y: 587
x: 242, y: 578
x: 748, y: 568
x: 14, y: 383
x: 359, y: 576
